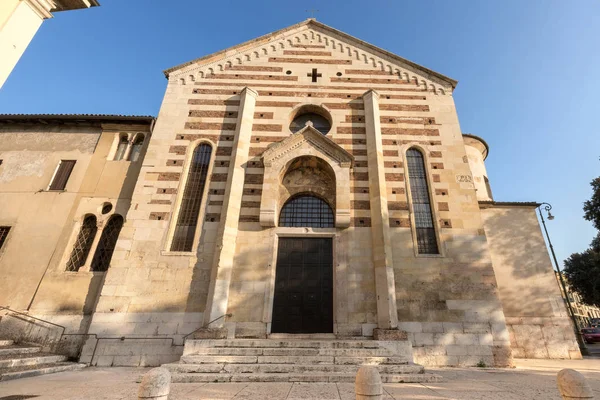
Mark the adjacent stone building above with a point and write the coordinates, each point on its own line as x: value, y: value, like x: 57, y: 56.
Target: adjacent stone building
x: 307, y: 182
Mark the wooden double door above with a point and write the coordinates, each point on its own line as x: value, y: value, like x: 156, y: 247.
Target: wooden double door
x: 303, y: 299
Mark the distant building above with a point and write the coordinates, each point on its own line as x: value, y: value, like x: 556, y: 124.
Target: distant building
x: 586, y: 315
x: 19, y: 22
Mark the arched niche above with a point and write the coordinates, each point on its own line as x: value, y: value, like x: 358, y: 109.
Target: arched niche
x: 320, y: 159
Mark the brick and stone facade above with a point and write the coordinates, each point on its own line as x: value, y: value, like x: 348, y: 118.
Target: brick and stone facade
x: 240, y: 101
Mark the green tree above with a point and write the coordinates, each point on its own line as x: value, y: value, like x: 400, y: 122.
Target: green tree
x: 582, y: 270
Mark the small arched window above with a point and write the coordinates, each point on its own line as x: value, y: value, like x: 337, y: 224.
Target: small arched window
x: 107, y: 243
x: 136, y: 148
x: 189, y: 210
x: 121, y: 148
x: 306, y: 211
x: 83, y: 244
x: 421, y: 203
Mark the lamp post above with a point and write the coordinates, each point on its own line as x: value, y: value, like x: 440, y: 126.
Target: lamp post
x: 547, y: 207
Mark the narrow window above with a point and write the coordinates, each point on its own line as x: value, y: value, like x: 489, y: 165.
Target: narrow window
x: 426, y: 238
x: 121, y: 148
x: 187, y: 220
x: 306, y: 211
x: 136, y: 149
x: 83, y: 244
x: 107, y: 243
x: 62, y: 175
x: 3, y: 235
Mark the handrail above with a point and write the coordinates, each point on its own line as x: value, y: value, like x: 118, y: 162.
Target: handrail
x: 207, y: 324
x: 38, y: 319
x: 122, y: 338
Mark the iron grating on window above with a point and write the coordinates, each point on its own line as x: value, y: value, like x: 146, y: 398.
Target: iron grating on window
x: 306, y: 211
x: 187, y: 220
x: 107, y: 243
x: 421, y: 203
x: 83, y: 244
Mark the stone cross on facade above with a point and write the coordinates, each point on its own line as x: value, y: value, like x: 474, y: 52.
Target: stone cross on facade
x: 314, y: 74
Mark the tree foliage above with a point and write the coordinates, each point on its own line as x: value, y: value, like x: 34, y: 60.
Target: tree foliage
x: 582, y: 270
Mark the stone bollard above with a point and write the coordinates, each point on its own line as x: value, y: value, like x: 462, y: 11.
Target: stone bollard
x: 368, y: 384
x: 155, y: 385
x: 573, y: 385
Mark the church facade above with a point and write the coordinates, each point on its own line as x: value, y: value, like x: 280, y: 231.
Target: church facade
x: 309, y: 183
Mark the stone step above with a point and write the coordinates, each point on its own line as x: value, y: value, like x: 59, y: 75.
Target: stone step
x: 28, y: 371
x: 302, y: 377
x: 270, y: 343
x: 301, y: 360
x: 10, y: 350
x: 19, y: 360
x: 6, y: 342
x: 290, y: 351
x: 287, y: 368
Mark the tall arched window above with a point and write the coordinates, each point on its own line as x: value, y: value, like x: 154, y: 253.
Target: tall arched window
x: 107, y: 243
x: 421, y: 203
x: 136, y: 148
x: 121, y: 148
x: 306, y: 211
x: 187, y: 220
x: 83, y: 244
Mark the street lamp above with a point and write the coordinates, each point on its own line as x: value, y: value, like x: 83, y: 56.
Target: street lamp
x: 547, y: 207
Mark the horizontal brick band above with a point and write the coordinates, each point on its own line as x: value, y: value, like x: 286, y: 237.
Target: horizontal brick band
x: 328, y: 87
x: 257, y: 163
x: 251, y: 204
x: 217, y: 192
x: 180, y: 150
x: 267, y: 139
x: 355, y: 130
x: 213, y: 217
x: 248, y: 77
x: 429, y: 143
x: 397, y: 205
x: 391, y: 81
x: 394, y: 177
x: 443, y: 206
x: 256, y: 151
x: 360, y: 222
x: 398, y: 190
x: 435, y: 177
x: 166, y: 191
x: 266, y: 128
x: 221, y: 163
x: 223, y: 151
x: 263, y: 115
x: 213, y: 137
x: 169, y: 176
x: 435, y: 154
x: 252, y: 192
x: 402, y: 97
x: 403, y: 107
x: 309, y: 61
x: 218, y: 178
x: 360, y: 164
x: 367, y: 72
x: 445, y: 223
x: 360, y: 176
x: 174, y: 163
x: 306, y: 53
x: 399, y: 222
x: 350, y: 141
x: 263, y: 103
x: 213, y: 114
x: 389, y: 142
x: 355, y: 105
x: 249, y: 218
x: 215, y: 203
x: 360, y: 189
x: 407, y: 120
x: 214, y: 102
x: 253, y: 179
x: 159, y: 201
x: 393, y: 164
x: 360, y: 205
x: 231, y: 91
x: 441, y: 192
x: 390, y: 153
x: 210, y: 126
x: 254, y: 68
x: 437, y: 165
x: 159, y: 216
x: 410, y: 132
x: 321, y: 95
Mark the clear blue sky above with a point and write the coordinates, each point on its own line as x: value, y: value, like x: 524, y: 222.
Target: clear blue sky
x: 527, y: 71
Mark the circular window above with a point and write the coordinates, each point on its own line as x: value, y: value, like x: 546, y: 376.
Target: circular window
x: 311, y: 115
x: 106, y: 208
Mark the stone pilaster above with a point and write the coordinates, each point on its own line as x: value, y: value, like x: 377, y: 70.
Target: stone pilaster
x: 218, y: 293
x: 387, y: 315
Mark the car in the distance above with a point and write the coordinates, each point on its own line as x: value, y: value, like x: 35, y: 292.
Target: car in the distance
x: 591, y: 335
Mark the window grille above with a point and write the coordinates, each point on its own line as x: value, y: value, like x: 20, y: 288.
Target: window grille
x: 421, y: 203
x: 306, y: 211
x: 62, y: 175
x: 136, y: 148
x: 187, y: 220
x: 3, y: 235
x: 106, y: 245
x: 83, y: 244
x: 122, y: 148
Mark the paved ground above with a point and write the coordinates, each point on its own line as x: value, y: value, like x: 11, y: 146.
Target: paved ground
x: 532, y: 379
